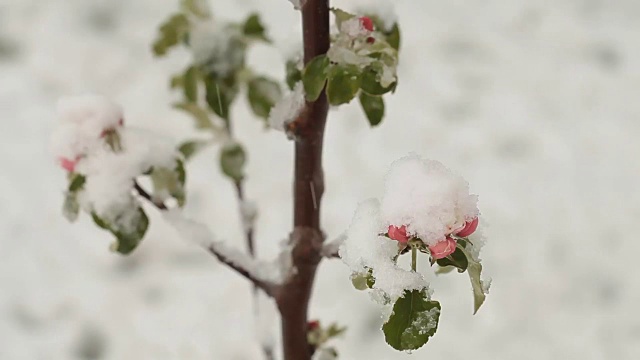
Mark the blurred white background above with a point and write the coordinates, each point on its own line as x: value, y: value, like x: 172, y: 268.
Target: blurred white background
x: 534, y: 103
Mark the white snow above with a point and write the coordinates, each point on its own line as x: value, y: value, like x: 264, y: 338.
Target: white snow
x: 81, y: 121
x: 288, y: 108
x: 428, y: 198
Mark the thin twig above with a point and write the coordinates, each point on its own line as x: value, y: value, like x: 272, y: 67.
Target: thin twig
x: 267, y: 287
x: 142, y: 192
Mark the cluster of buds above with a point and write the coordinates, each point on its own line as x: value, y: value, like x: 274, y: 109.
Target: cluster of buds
x: 367, y: 24
x: 83, y: 121
x: 442, y: 248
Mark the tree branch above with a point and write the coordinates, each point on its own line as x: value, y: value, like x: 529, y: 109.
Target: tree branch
x: 242, y: 264
x: 308, y: 188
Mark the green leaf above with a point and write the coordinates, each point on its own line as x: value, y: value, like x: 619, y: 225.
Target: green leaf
x: 199, y: 114
x: 190, y: 84
x: 475, y: 269
x: 413, y: 321
x: 344, y: 82
x: 198, y: 8
x: 293, y: 74
x: 71, y: 207
x: 371, y: 83
x: 190, y: 148
x: 219, y: 97
x: 458, y: 259
x: 172, y: 32
x: 373, y: 107
x: 76, y: 182
x: 232, y: 161
x: 263, y: 94
x: 169, y: 181
x: 393, y: 36
x: 253, y: 28
x: 341, y: 16
x: 363, y: 281
x: 314, y: 77
x: 129, y: 233
x: 334, y: 330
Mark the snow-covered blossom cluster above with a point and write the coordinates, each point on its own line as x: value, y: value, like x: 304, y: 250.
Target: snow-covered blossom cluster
x: 425, y: 205
x: 426, y: 197
x: 358, y: 43
x: 103, y: 159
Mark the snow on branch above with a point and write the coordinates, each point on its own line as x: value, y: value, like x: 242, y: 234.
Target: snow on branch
x: 265, y: 275
x: 330, y: 249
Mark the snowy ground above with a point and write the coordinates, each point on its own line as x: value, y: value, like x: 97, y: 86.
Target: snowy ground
x: 535, y: 103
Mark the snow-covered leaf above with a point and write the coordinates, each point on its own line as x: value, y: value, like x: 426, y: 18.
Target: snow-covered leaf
x: 413, y: 321
x: 71, y: 207
x: 371, y: 81
x: 315, y: 76
x: 344, y: 82
x: 169, y: 182
x: 172, y: 32
x: 373, y: 107
x: 232, y: 161
x: 199, y: 114
x: 341, y: 16
x: 129, y: 236
x: 263, y: 94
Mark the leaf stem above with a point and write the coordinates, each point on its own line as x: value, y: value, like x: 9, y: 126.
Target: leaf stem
x: 414, y: 258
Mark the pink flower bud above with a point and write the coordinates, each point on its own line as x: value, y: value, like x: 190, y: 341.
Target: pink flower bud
x: 398, y: 233
x: 469, y: 228
x: 313, y: 324
x: 69, y: 165
x: 443, y: 248
x: 366, y: 23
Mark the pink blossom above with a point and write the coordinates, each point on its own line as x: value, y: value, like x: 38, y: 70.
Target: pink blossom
x: 366, y: 23
x: 398, y: 233
x: 469, y: 228
x: 69, y: 165
x: 443, y: 248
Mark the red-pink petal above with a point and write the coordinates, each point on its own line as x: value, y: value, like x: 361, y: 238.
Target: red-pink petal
x: 398, y: 233
x: 69, y: 165
x: 469, y: 228
x: 366, y: 23
x: 443, y: 248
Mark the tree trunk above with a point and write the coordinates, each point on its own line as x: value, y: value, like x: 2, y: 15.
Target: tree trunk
x: 306, y: 238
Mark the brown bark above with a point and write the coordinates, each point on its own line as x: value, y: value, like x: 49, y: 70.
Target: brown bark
x: 293, y: 296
